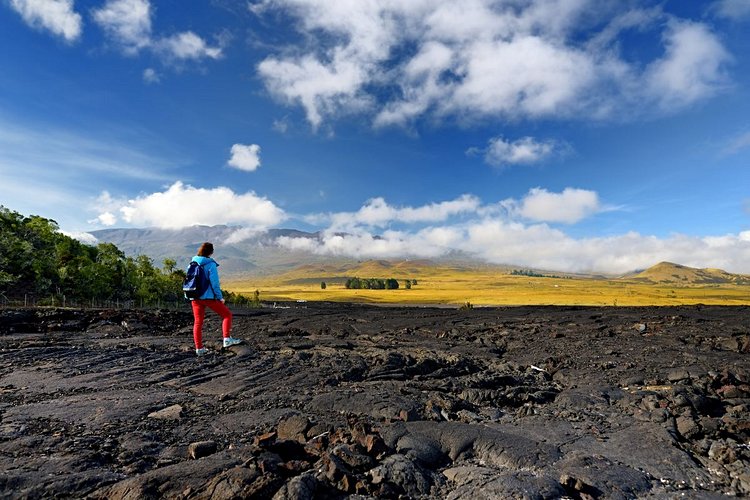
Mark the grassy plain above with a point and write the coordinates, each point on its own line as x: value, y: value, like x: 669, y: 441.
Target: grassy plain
x: 488, y: 286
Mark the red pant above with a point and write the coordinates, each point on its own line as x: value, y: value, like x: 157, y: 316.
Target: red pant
x: 199, y: 312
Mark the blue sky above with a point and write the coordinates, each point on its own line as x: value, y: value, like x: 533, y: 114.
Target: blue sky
x: 575, y: 135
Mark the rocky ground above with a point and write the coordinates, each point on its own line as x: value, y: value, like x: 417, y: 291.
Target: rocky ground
x: 335, y: 401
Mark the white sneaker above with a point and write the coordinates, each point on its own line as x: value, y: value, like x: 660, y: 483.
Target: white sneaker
x: 229, y: 341
x: 201, y: 352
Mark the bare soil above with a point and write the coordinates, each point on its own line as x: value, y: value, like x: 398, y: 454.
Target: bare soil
x: 336, y: 401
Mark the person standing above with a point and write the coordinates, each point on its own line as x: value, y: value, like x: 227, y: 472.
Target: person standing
x: 211, y: 298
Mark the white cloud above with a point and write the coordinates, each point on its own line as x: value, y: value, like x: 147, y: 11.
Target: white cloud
x: 692, y: 68
x: 242, y: 234
x: 188, y: 45
x: 128, y: 24
x: 515, y: 232
x: 184, y: 205
x: 538, y: 246
x: 733, y: 9
x: 319, y: 88
x: 57, y: 16
x: 378, y: 213
x: 245, y: 157
x: 512, y: 232
x: 105, y: 219
x: 569, y: 207
x: 401, y: 61
x: 151, y: 76
x: 524, y: 151
x: 83, y: 237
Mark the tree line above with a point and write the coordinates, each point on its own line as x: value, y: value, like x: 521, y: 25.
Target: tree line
x: 36, y: 259
x: 531, y: 274
x: 374, y: 284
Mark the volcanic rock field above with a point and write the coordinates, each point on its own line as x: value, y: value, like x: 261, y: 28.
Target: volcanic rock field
x: 351, y: 401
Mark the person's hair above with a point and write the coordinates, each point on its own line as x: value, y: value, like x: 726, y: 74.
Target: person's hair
x: 206, y: 249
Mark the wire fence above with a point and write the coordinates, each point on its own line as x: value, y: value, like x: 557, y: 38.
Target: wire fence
x: 31, y: 301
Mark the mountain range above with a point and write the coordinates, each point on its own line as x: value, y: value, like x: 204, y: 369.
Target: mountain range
x: 239, y: 251
x: 243, y: 253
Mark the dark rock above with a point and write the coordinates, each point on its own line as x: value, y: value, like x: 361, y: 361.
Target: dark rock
x: 356, y: 461
x: 265, y: 439
x: 408, y: 476
x: 302, y: 487
x: 593, y: 475
x: 722, y: 452
x: 288, y: 449
x: 687, y: 427
x: 372, y: 402
x: 237, y: 482
x: 293, y: 427
x: 201, y: 449
x: 475, y: 482
x: 678, y: 375
x: 334, y: 468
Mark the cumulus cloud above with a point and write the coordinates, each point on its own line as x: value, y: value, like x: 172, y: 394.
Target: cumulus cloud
x: 245, y: 157
x: 692, y: 68
x: 183, y: 205
x: 378, y: 213
x: 242, y: 234
x: 57, y: 16
x: 536, y: 245
x: 515, y: 232
x: 105, y: 219
x: 319, y: 88
x: 188, y: 45
x: 569, y: 207
x: 525, y: 151
x: 512, y: 232
x: 128, y: 24
x: 401, y: 61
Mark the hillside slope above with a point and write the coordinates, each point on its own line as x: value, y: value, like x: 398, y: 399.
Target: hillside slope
x: 669, y: 272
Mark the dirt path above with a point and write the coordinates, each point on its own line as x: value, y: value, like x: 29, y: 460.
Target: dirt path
x: 330, y: 400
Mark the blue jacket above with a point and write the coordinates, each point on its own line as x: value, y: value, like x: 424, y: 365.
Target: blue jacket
x: 210, y: 268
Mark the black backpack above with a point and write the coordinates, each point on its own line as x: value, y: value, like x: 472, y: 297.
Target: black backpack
x: 196, y: 282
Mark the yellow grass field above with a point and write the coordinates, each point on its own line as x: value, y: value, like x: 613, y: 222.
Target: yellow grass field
x: 485, y: 287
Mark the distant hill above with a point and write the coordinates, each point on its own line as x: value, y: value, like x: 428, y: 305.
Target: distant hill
x: 239, y: 251
x: 243, y: 253
x: 676, y: 274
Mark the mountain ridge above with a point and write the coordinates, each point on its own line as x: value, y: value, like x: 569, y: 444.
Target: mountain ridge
x: 245, y: 253
x: 678, y: 274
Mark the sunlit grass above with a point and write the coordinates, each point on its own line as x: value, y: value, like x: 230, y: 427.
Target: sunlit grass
x: 483, y: 288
